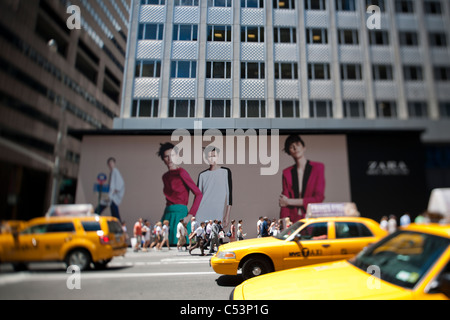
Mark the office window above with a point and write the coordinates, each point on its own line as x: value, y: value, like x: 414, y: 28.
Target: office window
x: 442, y: 73
x: 284, y: 4
x: 218, y: 70
x: 252, y: 34
x: 351, y: 72
x: 287, y: 109
x: 153, y: 2
x: 437, y: 39
x: 252, y: 4
x: 253, y: 70
x: 150, y: 31
x: 345, y: 5
x: 409, y: 38
x: 286, y: 70
x: 378, y: 38
x: 348, y: 36
x: 148, y: 69
x: 433, y: 7
x: 183, y: 69
x: 413, y: 73
x: 317, y: 36
x: 386, y: 109
x: 383, y: 72
x: 190, y: 3
x: 354, y: 109
x: 185, y: 32
x: 285, y: 35
x: 404, y: 6
x: 380, y: 3
x: 315, y: 5
x: 219, y: 33
x: 219, y: 3
x: 321, y: 109
x: 181, y: 108
x: 444, y: 110
x: 418, y: 109
x: 253, y: 108
x: 217, y: 108
x: 319, y: 71
x: 145, y: 108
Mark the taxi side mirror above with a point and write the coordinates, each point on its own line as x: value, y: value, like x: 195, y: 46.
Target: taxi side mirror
x: 298, y: 237
x: 443, y: 285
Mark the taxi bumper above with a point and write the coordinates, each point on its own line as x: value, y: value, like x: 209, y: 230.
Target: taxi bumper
x: 224, y: 266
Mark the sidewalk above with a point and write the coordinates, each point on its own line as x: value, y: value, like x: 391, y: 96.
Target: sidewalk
x: 172, y: 252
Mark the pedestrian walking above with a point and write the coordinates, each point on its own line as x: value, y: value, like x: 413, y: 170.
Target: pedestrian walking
x: 157, y: 233
x: 137, y: 232
x: 214, y: 236
x: 392, y: 224
x: 384, y: 223
x: 265, y: 227
x: 146, y: 233
x: 405, y: 220
x: 233, y: 231
x: 165, y: 235
x: 199, y: 235
x: 240, y: 231
x: 181, y: 234
x: 258, y: 226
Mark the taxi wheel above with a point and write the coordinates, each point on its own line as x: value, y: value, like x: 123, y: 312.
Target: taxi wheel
x: 255, y: 266
x: 80, y: 258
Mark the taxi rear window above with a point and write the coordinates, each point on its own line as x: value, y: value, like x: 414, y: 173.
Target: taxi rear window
x: 91, y: 225
x: 114, y: 227
x: 352, y: 230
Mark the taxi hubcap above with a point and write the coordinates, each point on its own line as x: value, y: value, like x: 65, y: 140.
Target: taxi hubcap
x: 78, y: 259
x: 256, y: 271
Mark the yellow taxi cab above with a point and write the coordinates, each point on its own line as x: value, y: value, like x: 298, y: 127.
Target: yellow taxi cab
x: 334, y: 236
x: 411, y: 264
x: 75, y: 240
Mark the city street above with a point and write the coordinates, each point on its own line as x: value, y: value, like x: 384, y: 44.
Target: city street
x: 163, y: 275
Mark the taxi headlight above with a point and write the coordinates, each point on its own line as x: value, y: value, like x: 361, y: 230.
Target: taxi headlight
x: 226, y: 255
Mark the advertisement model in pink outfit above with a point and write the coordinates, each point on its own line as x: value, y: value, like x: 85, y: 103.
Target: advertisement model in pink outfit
x: 303, y: 183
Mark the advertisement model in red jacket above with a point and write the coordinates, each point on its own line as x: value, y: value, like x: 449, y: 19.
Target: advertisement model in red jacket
x: 303, y: 183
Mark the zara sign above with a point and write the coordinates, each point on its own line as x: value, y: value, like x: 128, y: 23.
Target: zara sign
x: 387, y: 168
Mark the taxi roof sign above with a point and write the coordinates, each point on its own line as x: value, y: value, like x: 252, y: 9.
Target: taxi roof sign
x: 70, y: 210
x: 342, y: 209
x: 440, y: 203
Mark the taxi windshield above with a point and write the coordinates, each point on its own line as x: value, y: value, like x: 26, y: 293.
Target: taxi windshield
x: 403, y: 257
x: 289, y: 231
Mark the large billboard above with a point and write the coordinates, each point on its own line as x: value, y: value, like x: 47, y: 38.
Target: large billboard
x: 256, y: 160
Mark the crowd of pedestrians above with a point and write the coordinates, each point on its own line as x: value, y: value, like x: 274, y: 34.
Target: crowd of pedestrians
x: 205, y: 235
x: 266, y: 227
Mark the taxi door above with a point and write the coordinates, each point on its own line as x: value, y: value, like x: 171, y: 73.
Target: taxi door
x: 22, y: 248
x: 350, y: 238
x: 313, y: 247
x: 50, y: 242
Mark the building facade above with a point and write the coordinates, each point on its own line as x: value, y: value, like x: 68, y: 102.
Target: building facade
x: 289, y: 64
x: 62, y: 65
